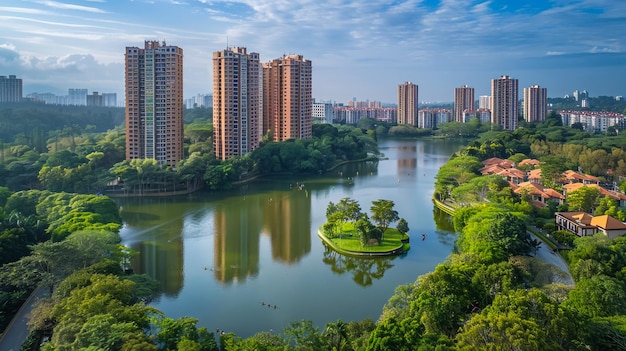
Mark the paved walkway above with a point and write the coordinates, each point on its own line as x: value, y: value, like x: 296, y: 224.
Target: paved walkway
x: 17, y: 331
x: 546, y: 254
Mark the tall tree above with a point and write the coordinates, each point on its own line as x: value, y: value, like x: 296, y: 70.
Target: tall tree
x: 383, y: 213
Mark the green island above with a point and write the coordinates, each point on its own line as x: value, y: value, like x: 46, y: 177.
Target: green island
x: 349, y: 231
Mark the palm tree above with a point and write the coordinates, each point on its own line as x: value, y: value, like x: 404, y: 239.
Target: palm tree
x: 336, y: 334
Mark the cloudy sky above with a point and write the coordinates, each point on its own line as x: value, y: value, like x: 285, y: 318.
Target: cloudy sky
x: 359, y: 48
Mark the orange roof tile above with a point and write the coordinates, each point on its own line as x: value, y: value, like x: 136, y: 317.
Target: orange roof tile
x: 607, y: 222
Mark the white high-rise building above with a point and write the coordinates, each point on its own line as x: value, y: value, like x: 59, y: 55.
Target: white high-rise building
x: 484, y: 102
x: 535, y: 103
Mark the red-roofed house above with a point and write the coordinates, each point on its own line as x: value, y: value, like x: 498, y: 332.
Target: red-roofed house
x: 570, y: 177
x: 534, y: 176
x: 584, y: 224
x: 512, y: 175
x: 529, y: 161
x: 495, y: 161
x: 538, y: 194
x: 610, y: 226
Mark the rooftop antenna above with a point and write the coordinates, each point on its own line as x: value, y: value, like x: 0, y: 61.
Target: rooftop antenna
x: 227, y: 42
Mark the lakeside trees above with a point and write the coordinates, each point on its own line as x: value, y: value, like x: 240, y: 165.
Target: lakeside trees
x: 479, y: 292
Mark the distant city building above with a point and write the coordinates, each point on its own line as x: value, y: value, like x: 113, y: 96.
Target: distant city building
x: 237, y: 102
x: 433, y: 117
x: 77, y: 97
x: 109, y: 99
x: 535, y: 103
x: 352, y: 115
x: 322, y: 112
x: 365, y: 104
x: 407, y: 103
x: 48, y: 98
x: 483, y: 114
x: 154, y: 103
x: 288, y: 98
x: 580, y: 95
x: 95, y: 99
x: 504, y: 102
x: 463, y: 100
x: 10, y: 89
x: 593, y: 121
x: 200, y: 100
x: 104, y: 99
x: 484, y: 102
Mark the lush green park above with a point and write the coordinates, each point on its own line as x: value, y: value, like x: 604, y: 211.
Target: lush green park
x: 350, y: 244
x: 349, y: 231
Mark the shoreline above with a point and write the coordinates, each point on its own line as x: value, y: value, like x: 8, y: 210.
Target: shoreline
x: 328, y: 243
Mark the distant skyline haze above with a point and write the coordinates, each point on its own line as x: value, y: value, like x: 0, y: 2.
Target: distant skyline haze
x: 361, y: 50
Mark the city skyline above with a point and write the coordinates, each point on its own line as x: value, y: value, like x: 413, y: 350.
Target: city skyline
x: 360, y: 50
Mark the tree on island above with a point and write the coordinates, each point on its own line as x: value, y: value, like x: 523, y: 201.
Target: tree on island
x: 345, y: 210
x: 349, y: 211
x: 402, y: 226
x: 383, y: 214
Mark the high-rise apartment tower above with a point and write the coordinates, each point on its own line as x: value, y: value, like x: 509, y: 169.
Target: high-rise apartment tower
x: 535, y: 103
x: 288, y: 98
x: 407, y: 103
x: 10, y: 89
x: 504, y: 101
x: 237, y: 104
x: 463, y: 100
x: 154, y: 103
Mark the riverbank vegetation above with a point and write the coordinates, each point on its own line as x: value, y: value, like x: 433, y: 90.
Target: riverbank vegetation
x: 489, y: 295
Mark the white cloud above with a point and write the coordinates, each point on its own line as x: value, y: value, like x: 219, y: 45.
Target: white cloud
x: 64, y: 6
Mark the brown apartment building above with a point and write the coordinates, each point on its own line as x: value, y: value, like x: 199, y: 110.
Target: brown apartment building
x: 408, y: 103
x: 237, y: 120
x: 154, y: 102
x: 288, y: 98
x: 463, y: 100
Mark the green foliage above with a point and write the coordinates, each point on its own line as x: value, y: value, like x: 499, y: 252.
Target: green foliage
x: 171, y: 333
x: 598, y: 296
x: 492, y: 233
x: 564, y: 237
x: 303, y: 336
x: 383, y: 213
x: 19, y: 119
x: 455, y: 172
x: 583, y: 199
x: 402, y: 226
x: 405, y: 130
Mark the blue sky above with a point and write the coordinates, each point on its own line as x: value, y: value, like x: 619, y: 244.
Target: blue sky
x: 359, y: 48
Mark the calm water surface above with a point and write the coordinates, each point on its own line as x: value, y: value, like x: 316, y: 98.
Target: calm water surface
x: 223, y: 257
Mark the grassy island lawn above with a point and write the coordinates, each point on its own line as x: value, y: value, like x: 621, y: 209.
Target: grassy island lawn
x: 348, y: 241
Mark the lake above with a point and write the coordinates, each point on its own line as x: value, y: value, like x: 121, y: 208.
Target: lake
x: 249, y: 259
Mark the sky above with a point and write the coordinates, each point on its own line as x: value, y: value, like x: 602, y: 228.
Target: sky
x: 360, y: 49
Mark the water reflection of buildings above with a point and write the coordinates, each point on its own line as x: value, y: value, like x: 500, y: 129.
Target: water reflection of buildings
x: 288, y: 221
x: 236, y: 239
x: 164, y: 262
x: 407, y: 160
x: 161, y: 259
x: 238, y: 224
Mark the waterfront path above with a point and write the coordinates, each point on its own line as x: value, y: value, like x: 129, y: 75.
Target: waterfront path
x: 17, y: 331
x: 545, y: 253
